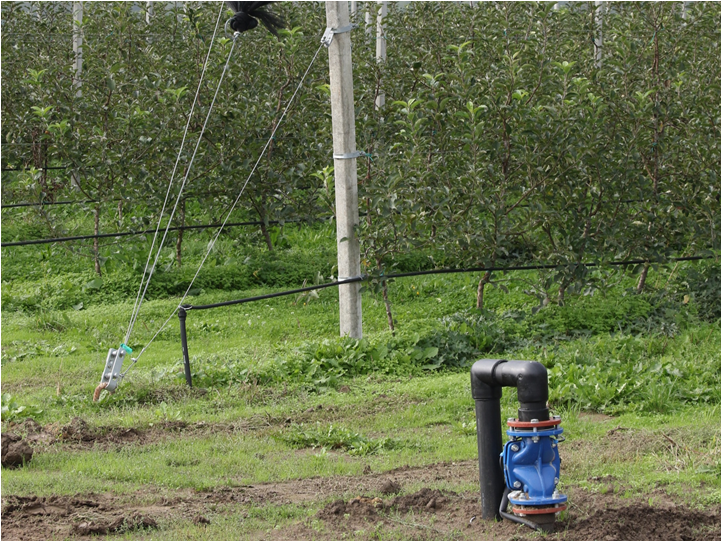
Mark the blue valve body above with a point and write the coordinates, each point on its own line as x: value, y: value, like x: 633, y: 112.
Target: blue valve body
x: 534, y: 468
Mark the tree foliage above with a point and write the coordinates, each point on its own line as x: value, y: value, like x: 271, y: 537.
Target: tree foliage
x: 503, y: 139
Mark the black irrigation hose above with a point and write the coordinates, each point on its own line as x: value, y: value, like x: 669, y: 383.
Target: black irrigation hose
x: 187, y: 307
x: 129, y: 233
x: 86, y: 201
x: 50, y: 203
x: 543, y: 267
x: 45, y: 168
x: 144, y: 232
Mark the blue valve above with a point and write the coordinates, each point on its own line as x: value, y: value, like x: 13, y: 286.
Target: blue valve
x: 532, y: 467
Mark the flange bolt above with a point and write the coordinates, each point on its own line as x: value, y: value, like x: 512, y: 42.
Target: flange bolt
x: 517, y: 484
x: 514, y: 448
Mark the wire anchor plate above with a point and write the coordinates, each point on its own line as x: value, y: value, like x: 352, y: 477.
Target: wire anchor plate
x: 112, y: 373
x: 330, y: 32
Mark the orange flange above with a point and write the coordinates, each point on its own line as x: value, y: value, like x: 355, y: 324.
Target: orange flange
x: 539, y: 424
x: 539, y: 510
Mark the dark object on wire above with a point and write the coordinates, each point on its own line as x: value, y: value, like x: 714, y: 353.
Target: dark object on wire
x: 247, y: 15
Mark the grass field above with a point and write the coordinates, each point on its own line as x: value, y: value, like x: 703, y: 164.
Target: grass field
x: 286, y: 419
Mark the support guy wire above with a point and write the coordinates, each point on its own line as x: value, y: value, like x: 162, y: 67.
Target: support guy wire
x: 232, y: 208
x: 139, y: 298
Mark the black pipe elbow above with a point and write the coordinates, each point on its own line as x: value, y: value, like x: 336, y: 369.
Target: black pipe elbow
x: 530, y: 377
x: 489, y: 376
x: 483, y: 384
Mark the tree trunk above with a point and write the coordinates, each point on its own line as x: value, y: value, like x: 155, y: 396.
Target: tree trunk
x: 481, y: 289
x: 266, y: 235
x: 179, y: 242
x: 120, y: 211
x: 642, y: 279
x: 391, y: 326
x: 561, y: 294
x: 96, y: 240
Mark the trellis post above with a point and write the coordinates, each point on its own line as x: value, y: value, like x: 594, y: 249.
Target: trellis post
x: 344, y: 158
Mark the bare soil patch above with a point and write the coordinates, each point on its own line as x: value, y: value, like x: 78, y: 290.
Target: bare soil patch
x: 640, y: 521
x: 78, y: 435
x: 357, y: 507
x: 33, y: 518
x: 434, y: 514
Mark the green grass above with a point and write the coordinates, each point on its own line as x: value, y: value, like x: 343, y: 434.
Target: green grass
x: 292, y: 401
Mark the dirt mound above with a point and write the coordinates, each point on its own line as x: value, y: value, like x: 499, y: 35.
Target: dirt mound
x: 391, y: 486
x: 15, y: 450
x: 648, y: 523
x: 77, y: 430
x: 120, y: 524
x: 425, y: 498
x: 356, y: 507
x: 30, y: 426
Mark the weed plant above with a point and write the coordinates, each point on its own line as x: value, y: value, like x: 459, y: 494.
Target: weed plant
x: 334, y: 437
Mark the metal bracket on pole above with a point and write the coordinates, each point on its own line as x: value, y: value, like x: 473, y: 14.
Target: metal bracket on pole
x: 350, y: 155
x: 330, y: 32
x: 359, y: 278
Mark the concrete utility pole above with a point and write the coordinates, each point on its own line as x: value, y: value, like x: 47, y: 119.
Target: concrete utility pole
x: 381, y: 48
x: 346, y: 182
x: 353, y: 9
x: 78, y: 46
x: 598, y: 41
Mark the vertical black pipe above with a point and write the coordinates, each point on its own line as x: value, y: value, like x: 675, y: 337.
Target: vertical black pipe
x: 182, y: 314
x: 490, y: 442
x: 490, y: 446
x: 488, y: 377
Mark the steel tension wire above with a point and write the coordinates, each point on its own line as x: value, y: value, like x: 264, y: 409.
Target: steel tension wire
x: 202, y: 131
x: 237, y: 199
x: 139, y: 298
x: 187, y: 174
